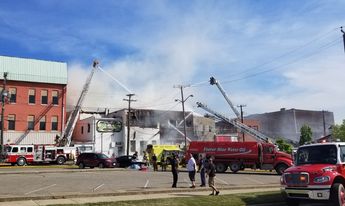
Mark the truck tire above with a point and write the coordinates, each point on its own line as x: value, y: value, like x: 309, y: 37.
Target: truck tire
x: 338, y: 194
x: 235, y: 166
x: 60, y: 160
x: 221, y: 167
x: 280, y: 168
x: 21, y: 161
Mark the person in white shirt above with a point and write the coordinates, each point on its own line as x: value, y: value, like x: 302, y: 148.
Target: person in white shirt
x: 191, y: 168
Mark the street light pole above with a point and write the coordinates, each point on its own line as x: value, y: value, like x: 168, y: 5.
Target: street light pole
x: 3, y: 94
x: 128, y: 122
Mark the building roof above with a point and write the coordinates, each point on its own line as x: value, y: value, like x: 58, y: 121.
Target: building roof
x: 32, y: 70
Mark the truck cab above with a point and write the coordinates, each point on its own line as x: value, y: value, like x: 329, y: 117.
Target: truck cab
x: 318, y: 174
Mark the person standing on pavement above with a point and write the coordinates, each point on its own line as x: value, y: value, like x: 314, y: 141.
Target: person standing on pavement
x: 174, y: 169
x: 191, y: 168
x: 201, y: 169
x: 163, y: 163
x: 154, y: 162
x: 211, y: 172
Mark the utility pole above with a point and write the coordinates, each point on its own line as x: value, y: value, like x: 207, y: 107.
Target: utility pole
x: 324, y: 123
x: 183, y: 113
x: 241, y: 108
x: 3, y: 95
x: 129, y: 100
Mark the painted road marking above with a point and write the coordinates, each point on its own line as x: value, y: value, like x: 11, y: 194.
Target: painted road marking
x: 99, y: 186
x: 147, y: 182
x: 43, y: 188
x: 221, y: 180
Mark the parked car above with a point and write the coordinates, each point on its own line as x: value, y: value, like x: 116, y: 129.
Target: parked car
x: 94, y: 160
x: 127, y: 161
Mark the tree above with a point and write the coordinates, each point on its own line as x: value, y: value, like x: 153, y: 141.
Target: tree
x: 306, y: 134
x: 338, y: 131
x: 284, y: 146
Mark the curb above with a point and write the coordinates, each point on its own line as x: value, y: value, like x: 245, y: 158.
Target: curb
x: 139, y: 192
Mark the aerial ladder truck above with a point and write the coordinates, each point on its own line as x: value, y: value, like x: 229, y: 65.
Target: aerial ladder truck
x: 66, y: 136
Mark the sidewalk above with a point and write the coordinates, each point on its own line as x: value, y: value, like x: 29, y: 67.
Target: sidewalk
x: 141, y: 196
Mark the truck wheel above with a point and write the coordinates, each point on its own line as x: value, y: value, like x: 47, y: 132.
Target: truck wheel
x: 338, y: 194
x: 81, y: 165
x: 60, y: 160
x: 292, y: 202
x: 281, y: 168
x: 221, y: 167
x: 235, y: 166
x: 21, y: 161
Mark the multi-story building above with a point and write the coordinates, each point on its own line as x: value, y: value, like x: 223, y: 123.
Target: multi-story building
x: 146, y: 127
x: 34, y: 100
x: 226, y: 129
x: 287, y: 123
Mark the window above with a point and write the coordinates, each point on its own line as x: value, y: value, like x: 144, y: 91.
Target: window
x: 15, y: 149
x: 43, y: 123
x: 22, y: 149
x: 44, y: 97
x: 342, y: 153
x: 54, y: 123
x: 30, y: 149
x: 55, y: 97
x: 32, y: 96
x: 11, y: 122
x: 82, y: 129
x: 13, y: 95
x: 132, y: 145
x: 31, y: 121
x: 88, y: 128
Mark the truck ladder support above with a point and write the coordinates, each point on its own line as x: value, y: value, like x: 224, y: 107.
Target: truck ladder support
x: 244, y: 128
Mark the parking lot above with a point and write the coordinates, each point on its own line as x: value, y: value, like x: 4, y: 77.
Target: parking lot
x: 40, y: 182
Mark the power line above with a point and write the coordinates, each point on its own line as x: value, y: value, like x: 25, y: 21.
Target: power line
x: 286, y: 64
x: 204, y: 83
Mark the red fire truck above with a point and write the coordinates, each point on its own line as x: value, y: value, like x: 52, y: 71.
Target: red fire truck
x: 29, y: 154
x: 318, y: 174
x: 240, y: 155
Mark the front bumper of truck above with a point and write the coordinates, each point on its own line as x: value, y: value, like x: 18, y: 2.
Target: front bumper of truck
x: 312, y: 193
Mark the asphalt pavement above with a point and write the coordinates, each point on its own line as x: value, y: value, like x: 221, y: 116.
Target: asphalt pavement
x: 144, y: 193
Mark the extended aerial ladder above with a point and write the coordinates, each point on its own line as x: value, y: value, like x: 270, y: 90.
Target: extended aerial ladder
x: 214, y: 81
x: 244, y: 128
x: 65, y: 139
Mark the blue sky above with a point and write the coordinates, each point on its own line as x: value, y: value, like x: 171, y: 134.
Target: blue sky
x: 268, y: 54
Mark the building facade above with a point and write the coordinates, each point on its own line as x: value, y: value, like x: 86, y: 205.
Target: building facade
x: 146, y: 127
x: 226, y: 129
x: 287, y: 123
x: 34, y: 100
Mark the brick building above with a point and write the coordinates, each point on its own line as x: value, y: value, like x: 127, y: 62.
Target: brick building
x: 225, y: 128
x: 34, y: 100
